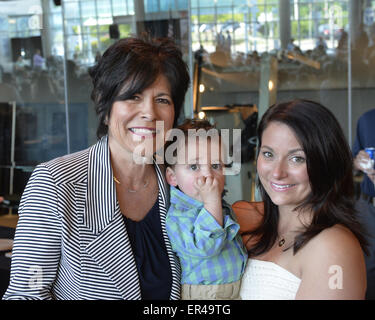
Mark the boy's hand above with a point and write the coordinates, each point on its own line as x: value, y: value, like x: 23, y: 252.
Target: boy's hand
x: 211, y: 189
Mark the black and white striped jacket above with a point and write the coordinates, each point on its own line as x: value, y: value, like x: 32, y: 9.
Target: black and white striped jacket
x: 71, y: 241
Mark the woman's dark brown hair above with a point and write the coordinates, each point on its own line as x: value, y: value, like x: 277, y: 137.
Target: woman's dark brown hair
x: 130, y: 66
x: 330, y: 170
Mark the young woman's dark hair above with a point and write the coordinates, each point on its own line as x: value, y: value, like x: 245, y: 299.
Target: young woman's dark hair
x: 131, y: 65
x: 330, y: 171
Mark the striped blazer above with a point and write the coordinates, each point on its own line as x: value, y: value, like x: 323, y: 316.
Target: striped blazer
x: 71, y: 241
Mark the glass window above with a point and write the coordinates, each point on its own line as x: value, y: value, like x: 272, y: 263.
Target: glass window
x: 23, y: 24
x: 130, y: 7
x: 11, y: 23
x: 120, y: 7
x: 73, y: 26
x: 166, y: 5
x: 304, y: 51
x: 75, y: 44
x: 88, y: 8
x: 151, y: 5
x: 183, y: 4
x: 303, y: 46
x: 104, y: 9
x: 71, y: 10
x: 125, y: 30
x: 56, y: 21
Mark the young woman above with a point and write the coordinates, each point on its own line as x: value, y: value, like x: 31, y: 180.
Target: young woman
x: 309, y: 244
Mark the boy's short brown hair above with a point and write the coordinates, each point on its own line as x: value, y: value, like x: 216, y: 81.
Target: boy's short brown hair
x: 190, y: 124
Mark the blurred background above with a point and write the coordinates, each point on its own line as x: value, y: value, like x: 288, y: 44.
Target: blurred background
x: 243, y: 55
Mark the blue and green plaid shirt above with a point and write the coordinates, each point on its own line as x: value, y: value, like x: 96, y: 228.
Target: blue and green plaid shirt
x: 209, y: 253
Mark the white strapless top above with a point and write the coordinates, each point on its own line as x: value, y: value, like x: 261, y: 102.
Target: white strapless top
x: 265, y: 280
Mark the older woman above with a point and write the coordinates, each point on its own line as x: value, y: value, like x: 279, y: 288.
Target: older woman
x: 309, y: 244
x: 92, y: 224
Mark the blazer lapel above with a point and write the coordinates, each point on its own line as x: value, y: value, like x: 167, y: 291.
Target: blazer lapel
x: 110, y: 248
x: 163, y: 208
x: 101, y: 192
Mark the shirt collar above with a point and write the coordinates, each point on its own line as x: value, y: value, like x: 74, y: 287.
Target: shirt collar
x: 181, y: 199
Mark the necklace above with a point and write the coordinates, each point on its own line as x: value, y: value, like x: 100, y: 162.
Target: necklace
x: 281, y: 242
x: 130, y: 190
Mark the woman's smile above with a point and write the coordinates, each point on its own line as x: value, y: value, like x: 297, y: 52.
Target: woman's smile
x: 143, y: 132
x: 281, y: 187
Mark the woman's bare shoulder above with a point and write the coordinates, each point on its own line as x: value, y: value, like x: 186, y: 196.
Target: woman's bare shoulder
x: 337, y: 237
x: 336, y: 241
x: 332, y: 266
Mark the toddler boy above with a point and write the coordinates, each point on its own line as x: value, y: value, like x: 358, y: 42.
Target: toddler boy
x: 200, y: 224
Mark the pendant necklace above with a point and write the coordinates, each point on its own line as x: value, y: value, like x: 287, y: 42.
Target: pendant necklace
x: 281, y: 239
x: 281, y: 242
x: 130, y: 190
